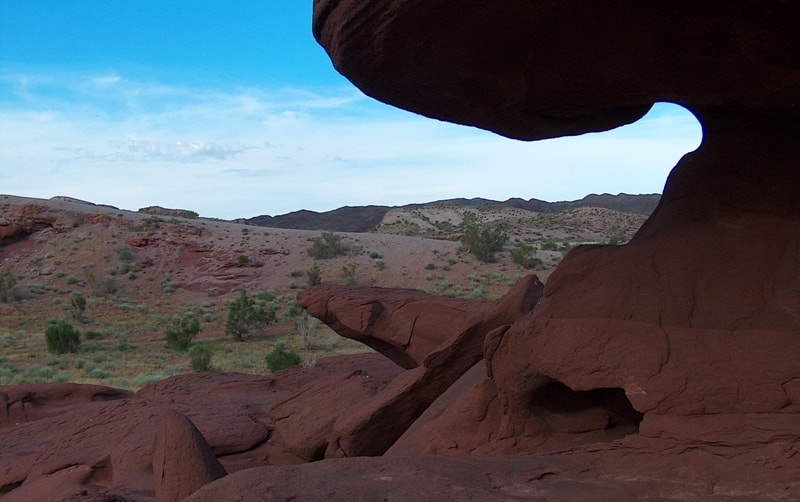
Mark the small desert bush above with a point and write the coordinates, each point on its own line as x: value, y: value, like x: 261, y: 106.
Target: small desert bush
x: 200, y: 357
x: 524, y: 255
x: 329, y: 245
x: 482, y: 242
x: 182, y: 332
x: 8, y: 288
x: 478, y: 293
x: 246, y: 316
x: 280, y: 358
x: 314, y: 276
x: 349, y: 274
x: 61, y: 337
x: 77, y: 306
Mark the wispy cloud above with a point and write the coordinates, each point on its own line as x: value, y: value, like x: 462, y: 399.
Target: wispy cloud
x: 233, y: 152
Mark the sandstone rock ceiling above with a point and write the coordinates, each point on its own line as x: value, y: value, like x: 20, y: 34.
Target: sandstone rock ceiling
x: 537, y: 69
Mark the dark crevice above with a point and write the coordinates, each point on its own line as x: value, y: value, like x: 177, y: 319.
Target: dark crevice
x: 567, y: 410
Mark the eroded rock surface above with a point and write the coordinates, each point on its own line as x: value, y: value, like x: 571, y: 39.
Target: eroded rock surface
x: 182, y: 461
x: 108, y: 448
x: 533, y: 69
x: 405, y: 325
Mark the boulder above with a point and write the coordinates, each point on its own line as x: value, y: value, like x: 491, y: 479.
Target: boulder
x: 182, y: 459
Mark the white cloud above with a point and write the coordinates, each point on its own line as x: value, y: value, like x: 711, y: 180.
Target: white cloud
x: 242, y: 152
x: 104, y: 81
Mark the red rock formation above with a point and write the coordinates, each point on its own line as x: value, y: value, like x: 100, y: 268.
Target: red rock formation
x: 531, y: 69
x: 374, y: 426
x: 109, y: 447
x: 31, y: 402
x: 692, y: 326
x: 182, y: 460
x: 665, y: 368
x: 405, y: 325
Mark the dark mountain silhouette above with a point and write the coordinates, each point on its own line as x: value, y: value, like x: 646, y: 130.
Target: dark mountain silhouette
x: 365, y: 218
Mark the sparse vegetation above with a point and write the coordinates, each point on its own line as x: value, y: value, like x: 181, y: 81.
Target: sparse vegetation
x: 77, y: 306
x: 182, y: 332
x: 327, y: 246
x: 349, y: 274
x: 61, y: 337
x: 124, y: 322
x: 246, y: 317
x: 280, y: 358
x: 314, y: 276
x: 8, y: 288
x: 200, y: 357
x: 524, y: 255
x: 483, y: 242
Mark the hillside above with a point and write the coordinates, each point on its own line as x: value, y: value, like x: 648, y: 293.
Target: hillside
x: 139, y: 271
x: 366, y: 218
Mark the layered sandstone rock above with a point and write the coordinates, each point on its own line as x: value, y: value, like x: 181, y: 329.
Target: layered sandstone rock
x: 166, y: 439
x: 688, y: 335
x: 405, y: 325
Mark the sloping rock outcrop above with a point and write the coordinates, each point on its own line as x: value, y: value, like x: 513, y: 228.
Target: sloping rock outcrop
x: 375, y: 425
x: 115, y: 447
x: 405, y: 325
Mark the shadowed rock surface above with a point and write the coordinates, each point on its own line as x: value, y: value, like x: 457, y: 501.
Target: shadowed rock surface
x: 666, y: 368
x: 182, y: 460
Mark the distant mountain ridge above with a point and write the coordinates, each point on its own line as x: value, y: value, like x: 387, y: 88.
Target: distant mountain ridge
x: 365, y: 218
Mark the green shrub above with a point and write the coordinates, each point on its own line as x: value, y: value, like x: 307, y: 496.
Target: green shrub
x: 478, y: 293
x: 61, y: 337
x: 77, y: 306
x: 293, y: 309
x: 349, y: 274
x: 98, y: 373
x: 200, y: 357
x: 266, y: 296
x: 329, y: 245
x: 245, y: 316
x: 8, y: 288
x: 93, y: 335
x: 482, y: 242
x: 125, y: 254
x: 314, y: 276
x: 280, y: 358
x: 524, y: 255
x: 182, y: 332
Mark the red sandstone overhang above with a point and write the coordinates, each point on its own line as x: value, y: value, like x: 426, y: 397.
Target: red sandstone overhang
x: 534, y: 69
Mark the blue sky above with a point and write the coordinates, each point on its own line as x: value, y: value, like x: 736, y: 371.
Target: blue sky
x: 232, y: 110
